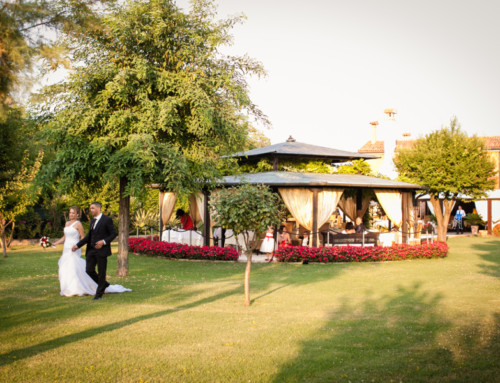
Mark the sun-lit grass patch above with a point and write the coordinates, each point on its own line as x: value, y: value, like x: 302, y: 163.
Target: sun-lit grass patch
x: 434, y: 320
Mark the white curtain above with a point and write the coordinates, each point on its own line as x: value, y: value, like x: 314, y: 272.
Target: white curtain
x: 299, y: 203
x: 391, y: 203
x: 350, y: 208
x: 196, y: 207
x: 327, y: 203
x: 431, y: 208
x: 482, y: 210
x: 167, y: 207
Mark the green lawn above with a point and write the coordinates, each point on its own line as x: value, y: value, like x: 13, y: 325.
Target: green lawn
x: 413, y: 321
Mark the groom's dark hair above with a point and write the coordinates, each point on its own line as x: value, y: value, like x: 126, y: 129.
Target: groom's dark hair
x: 98, y: 204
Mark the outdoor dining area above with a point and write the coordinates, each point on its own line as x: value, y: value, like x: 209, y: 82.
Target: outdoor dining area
x: 320, y: 205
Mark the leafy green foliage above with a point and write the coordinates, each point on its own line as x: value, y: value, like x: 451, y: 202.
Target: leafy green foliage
x: 358, y: 167
x: 247, y: 208
x: 153, y: 101
x: 24, y: 27
x: 447, y: 162
x: 18, y: 194
x: 308, y: 166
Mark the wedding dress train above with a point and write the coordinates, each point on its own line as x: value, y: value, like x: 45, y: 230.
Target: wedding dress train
x: 73, y: 278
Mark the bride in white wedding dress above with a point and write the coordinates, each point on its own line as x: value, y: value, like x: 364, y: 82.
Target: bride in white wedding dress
x: 73, y: 278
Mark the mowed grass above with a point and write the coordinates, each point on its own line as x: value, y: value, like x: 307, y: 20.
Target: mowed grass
x: 412, y: 321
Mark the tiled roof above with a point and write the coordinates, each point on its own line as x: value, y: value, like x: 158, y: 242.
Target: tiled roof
x: 377, y: 147
x: 492, y: 143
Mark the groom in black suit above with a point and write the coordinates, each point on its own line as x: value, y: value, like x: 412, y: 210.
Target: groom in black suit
x: 98, y: 241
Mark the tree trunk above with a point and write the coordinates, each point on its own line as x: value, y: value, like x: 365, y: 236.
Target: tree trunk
x: 11, y: 237
x: 247, y: 277
x: 442, y: 217
x: 4, y: 242
x: 123, y: 227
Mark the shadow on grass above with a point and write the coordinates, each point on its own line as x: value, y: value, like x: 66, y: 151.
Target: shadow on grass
x: 27, y: 352
x: 30, y: 297
x: 397, y: 338
x: 489, y: 251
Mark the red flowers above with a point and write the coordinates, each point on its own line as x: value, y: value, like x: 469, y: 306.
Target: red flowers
x: 293, y: 253
x: 175, y: 250
x: 361, y: 254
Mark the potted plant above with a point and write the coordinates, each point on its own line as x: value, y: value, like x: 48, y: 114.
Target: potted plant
x: 474, y: 220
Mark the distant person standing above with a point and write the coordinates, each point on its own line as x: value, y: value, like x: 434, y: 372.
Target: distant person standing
x: 459, y: 219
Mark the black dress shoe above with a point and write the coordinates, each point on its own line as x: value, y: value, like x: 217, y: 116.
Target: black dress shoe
x: 96, y: 298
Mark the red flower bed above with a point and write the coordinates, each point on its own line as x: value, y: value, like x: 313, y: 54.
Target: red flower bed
x: 361, y: 254
x: 175, y: 250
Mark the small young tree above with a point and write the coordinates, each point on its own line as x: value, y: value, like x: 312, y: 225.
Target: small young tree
x: 448, y: 163
x: 17, y: 195
x: 247, y: 210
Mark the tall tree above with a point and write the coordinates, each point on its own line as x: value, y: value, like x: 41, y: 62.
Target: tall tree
x: 247, y: 210
x: 448, y: 163
x: 153, y: 101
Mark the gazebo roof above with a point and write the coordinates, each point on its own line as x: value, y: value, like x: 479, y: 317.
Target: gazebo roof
x: 294, y: 179
x: 293, y: 149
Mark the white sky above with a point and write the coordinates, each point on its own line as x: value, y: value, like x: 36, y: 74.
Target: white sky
x: 334, y: 66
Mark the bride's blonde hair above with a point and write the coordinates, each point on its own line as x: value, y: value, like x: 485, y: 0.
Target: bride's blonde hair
x: 77, y: 211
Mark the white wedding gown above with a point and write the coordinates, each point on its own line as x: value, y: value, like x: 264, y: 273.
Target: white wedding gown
x: 73, y: 278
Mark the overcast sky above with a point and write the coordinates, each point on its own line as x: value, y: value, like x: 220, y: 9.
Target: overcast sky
x: 335, y: 65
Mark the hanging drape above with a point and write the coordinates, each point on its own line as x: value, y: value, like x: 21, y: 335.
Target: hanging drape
x: 350, y: 208
x: 328, y: 200
x: 431, y: 208
x: 482, y: 210
x: 167, y: 207
x: 391, y: 203
x: 299, y: 203
x: 196, y: 207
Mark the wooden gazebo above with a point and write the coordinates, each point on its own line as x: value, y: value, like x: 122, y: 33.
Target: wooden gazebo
x: 315, y: 183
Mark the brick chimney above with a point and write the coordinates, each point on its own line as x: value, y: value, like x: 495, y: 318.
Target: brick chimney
x: 374, y: 131
x: 391, y: 113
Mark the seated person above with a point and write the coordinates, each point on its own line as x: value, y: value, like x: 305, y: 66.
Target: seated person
x: 283, y: 238
x: 186, y: 222
x: 305, y: 239
x: 349, y: 228
x: 360, y: 226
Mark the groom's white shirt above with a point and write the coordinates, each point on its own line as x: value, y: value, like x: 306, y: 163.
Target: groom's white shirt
x: 96, y: 221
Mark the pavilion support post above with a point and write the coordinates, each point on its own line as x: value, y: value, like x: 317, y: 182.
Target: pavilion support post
x: 206, y: 221
x: 405, y: 206
x: 315, y: 218
x: 490, y: 217
x: 275, y: 163
x: 161, y: 195
x: 359, y: 203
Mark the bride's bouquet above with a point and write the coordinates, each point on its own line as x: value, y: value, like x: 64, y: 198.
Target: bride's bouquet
x: 45, y: 242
